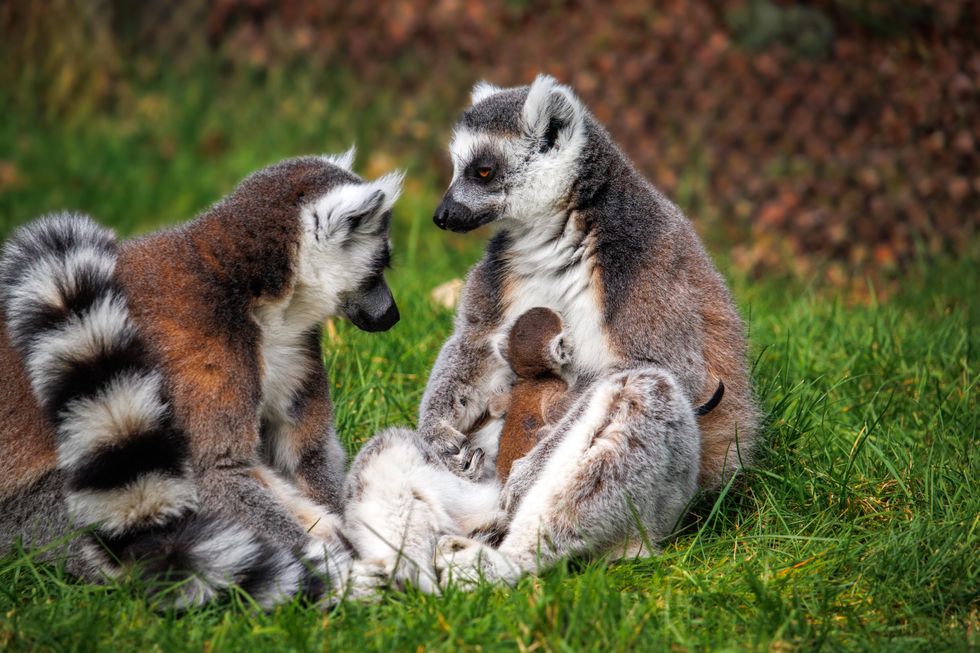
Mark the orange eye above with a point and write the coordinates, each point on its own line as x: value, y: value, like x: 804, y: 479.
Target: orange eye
x: 483, y: 172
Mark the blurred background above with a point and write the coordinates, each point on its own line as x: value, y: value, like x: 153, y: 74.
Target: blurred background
x: 832, y: 141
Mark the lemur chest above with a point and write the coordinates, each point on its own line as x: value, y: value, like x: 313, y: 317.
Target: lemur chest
x: 285, y: 362
x: 569, y: 289
x: 572, y: 291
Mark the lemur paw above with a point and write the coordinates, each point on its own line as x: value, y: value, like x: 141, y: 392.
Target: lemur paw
x: 462, y: 562
x: 328, y: 559
x: 465, y: 461
x: 493, y: 530
x: 498, y: 405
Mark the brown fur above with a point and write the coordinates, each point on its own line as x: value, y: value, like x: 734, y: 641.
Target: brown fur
x: 26, y: 437
x: 685, y: 305
x: 537, y: 398
x: 192, y: 291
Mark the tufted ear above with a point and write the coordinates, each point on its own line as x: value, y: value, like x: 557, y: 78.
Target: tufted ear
x: 552, y: 114
x: 482, y: 90
x: 378, y: 197
x: 357, y: 206
x: 343, y: 160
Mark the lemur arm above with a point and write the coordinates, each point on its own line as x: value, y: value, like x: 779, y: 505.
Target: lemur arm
x: 316, y: 457
x: 214, y: 394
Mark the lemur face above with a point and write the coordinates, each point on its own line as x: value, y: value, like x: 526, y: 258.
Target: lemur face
x: 515, y: 155
x: 344, y: 245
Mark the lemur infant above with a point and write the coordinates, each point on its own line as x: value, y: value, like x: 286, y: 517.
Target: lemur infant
x: 536, y: 351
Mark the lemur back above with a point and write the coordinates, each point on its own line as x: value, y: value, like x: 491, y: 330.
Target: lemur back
x: 138, y: 374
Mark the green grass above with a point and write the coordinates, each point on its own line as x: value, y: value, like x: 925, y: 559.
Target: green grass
x: 857, y: 529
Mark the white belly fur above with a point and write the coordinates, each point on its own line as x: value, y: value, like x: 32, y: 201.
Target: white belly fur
x: 535, y: 282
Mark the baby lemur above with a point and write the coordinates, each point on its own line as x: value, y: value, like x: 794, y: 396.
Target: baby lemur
x: 537, y: 351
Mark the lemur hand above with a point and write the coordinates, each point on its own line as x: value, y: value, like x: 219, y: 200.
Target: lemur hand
x: 465, y: 461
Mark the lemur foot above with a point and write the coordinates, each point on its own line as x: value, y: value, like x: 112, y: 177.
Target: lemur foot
x: 366, y: 580
x: 493, y: 530
x: 463, y: 563
x: 331, y: 561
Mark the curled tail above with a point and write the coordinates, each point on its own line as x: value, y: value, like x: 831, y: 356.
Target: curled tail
x: 713, y: 402
x: 129, y: 481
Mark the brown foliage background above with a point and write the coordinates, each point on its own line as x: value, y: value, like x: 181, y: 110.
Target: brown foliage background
x: 838, y: 132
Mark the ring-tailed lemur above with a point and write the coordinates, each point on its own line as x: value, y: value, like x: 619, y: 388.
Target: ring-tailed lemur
x: 653, y: 325
x: 167, y: 394
x: 400, y: 497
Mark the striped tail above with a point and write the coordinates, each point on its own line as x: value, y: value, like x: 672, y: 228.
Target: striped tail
x: 129, y: 481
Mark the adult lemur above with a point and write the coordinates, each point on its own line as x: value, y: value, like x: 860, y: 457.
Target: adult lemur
x: 167, y: 396
x: 651, y: 324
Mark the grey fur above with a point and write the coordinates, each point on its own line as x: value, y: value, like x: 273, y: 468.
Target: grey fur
x: 583, y: 233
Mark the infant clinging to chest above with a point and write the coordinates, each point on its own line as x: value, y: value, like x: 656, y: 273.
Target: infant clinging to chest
x: 536, y: 350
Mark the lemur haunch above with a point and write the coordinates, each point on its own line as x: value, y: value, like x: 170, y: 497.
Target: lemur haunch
x: 167, y: 394
x: 654, y: 327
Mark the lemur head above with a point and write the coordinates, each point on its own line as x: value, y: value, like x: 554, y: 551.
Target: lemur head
x: 515, y: 155
x: 341, y: 237
x: 534, y: 343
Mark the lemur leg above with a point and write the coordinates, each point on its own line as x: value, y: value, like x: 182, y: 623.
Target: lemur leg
x: 620, y: 468
x: 399, y: 499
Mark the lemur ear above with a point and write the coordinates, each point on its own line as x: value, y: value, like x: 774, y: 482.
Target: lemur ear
x: 343, y: 160
x: 482, y: 90
x: 378, y: 197
x: 552, y: 114
x: 356, y: 206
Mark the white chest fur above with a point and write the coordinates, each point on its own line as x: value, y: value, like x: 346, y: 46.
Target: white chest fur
x: 286, y: 364
x: 556, y: 273
x: 559, y: 273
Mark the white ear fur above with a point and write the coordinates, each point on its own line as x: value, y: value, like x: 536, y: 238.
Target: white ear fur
x: 482, y: 90
x: 343, y: 160
x: 391, y: 186
x: 337, y: 209
x: 549, y: 102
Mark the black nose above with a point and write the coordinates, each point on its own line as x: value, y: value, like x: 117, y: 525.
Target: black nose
x: 389, y: 319
x: 441, y: 216
x: 452, y: 215
x: 367, y: 322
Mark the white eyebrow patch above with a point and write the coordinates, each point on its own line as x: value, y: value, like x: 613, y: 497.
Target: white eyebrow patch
x: 465, y: 144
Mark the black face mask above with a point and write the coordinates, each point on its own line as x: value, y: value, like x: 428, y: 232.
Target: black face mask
x: 372, y: 307
x: 454, y: 216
